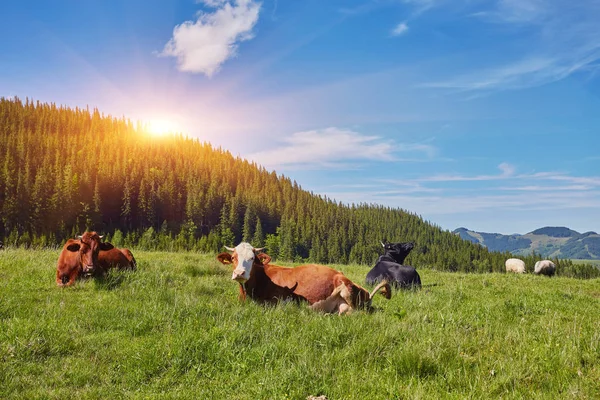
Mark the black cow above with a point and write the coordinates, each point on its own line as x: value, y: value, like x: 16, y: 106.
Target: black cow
x: 389, y: 266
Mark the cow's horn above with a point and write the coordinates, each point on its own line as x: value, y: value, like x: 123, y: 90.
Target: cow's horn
x: 101, y: 236
x: 377, y: 288
x: 382, y: 244
x: 79, y: 237
x: 229, y: 248
x: 259, y: 249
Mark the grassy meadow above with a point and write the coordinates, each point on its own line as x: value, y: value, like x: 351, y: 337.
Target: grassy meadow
x: 175, y: 329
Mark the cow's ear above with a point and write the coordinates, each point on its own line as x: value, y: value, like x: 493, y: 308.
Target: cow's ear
x: 386, y: 291
x: 225, y: 258
x: 73, y: 247
x: 264, y: 258
x: 105, y: 246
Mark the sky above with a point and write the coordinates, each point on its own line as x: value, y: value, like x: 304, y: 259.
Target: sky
x: 470, y: 113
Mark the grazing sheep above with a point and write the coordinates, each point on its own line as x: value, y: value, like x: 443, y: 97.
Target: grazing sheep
x: 545, y: 267
x: 515, y: 265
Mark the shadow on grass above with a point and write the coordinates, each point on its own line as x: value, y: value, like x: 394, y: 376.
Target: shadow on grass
x: 111, y: 281
x: 196, y: 271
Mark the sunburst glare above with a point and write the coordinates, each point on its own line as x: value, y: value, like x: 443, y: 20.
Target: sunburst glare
x: 161, y: 127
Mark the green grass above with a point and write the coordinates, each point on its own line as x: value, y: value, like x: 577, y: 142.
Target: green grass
x: 175, y: 329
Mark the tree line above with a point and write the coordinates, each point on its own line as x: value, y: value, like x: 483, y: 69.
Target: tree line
x: 66, y: 170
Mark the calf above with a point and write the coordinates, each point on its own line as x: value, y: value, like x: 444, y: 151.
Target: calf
x: 268, y: 283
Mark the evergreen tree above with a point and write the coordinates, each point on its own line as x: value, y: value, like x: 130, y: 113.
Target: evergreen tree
x: 200, y: 197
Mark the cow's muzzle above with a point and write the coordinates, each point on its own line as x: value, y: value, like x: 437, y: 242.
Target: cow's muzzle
x: 88, y: 269
x: 238, y: 277
x: 64, y: 279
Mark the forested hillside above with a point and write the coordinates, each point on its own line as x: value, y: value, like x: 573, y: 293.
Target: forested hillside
x: 64, y: 170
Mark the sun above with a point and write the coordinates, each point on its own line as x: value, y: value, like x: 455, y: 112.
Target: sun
x: 160, y: 127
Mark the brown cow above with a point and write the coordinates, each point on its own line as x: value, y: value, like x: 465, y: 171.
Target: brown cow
x: 87, y: 255
x: 323, y: 287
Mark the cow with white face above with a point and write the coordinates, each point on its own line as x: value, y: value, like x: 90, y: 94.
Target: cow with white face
x: 314, y: 283
x: 243, y: 259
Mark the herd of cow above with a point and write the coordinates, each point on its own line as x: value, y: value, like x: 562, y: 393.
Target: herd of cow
x: 543, y: 267
x: 324, y: 288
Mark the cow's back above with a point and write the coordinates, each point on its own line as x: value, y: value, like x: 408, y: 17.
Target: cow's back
x: 314, y: 282
x: 129, y: 255
x: 545, y: 267
x: 113, y: 258
x: 515, y: 265
x: 400, y: 276
x: 377, y: 273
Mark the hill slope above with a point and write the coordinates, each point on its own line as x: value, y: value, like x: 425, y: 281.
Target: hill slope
x: 558, y: 242
x: 67, y: 170
x: 64, y: 171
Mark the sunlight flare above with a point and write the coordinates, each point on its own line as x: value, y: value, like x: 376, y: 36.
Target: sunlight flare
x: 161, y: 127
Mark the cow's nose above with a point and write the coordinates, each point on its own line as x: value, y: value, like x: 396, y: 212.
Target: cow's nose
x: 238, y: 276
x: 65, y: 279
x: 88, y: 269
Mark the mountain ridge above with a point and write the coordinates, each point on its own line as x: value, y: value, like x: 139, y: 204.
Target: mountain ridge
x: 548, y: 241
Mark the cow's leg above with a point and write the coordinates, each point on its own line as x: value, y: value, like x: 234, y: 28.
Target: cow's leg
x: 344, y: 309
x: 332, y: 303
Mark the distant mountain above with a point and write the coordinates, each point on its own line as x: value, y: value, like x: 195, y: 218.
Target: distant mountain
x: 549, y: 241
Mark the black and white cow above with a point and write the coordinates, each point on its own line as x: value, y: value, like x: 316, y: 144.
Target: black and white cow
x: 544, y: 267
x: 389, y: 267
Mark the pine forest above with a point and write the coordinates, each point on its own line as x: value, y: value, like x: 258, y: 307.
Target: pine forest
x: 64, y: 171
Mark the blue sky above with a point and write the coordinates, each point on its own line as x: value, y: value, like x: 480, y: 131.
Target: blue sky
x: 482, y: 114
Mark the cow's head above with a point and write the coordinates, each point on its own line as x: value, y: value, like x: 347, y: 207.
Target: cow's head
x: 243, y: 258
x: 398, y: 251
x: 346, y: 298
x: 89, y: 247
x: 364, y: 299
x: 67, y: 271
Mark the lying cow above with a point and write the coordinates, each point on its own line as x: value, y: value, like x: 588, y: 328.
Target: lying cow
x: 324, y: 288
x: 88, y: 256
x: 389, y: 267
x: 515, y: 265
x: 544, y: 267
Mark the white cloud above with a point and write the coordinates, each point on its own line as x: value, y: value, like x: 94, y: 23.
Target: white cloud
x: 335, y: 148
x: 202, y: 46
x: 508, y: 171
x: 400, y: 29
x: 539, y: 188
x: 527, y: 195
x: 522, y: 10
x: 526, y: 73
x: 422, y: 5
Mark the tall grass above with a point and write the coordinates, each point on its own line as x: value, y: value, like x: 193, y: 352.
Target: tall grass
x: 175, y: 329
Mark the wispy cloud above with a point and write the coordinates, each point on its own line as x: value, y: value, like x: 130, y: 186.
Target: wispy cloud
x: 202, y: 46
x: 543, y: 198
x: 337, y: 148
x: 539, y: 188
x: 400, y: 29
x: 564, y: 40
x: 507, y: 171
x: 522, y: 11
x: 421, y: 6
